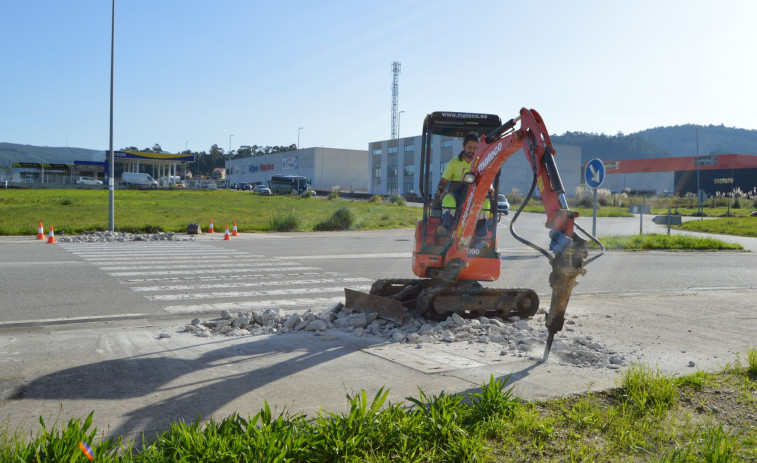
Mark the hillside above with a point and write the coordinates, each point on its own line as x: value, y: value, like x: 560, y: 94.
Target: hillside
x: 679, y: 140
x: 12, y: 152
x: 713, y: 139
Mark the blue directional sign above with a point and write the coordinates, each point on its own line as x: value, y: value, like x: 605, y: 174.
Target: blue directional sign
x: 595, y: 173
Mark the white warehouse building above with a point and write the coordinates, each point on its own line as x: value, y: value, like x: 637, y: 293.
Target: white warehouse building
x: 328, y: 168
x: 395, y: 169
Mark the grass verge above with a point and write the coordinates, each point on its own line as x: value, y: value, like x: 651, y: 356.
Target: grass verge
x: 666, y: 242
x: 648, y: 417
x: 77, y: 211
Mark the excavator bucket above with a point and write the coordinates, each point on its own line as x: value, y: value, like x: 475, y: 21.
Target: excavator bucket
x: 386, y: 308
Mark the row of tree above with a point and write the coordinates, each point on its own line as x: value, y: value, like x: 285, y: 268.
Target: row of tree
x: 216, y: 156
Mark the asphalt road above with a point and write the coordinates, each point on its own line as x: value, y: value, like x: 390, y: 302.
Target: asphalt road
x: 81, y: 323
x: 46, y: 283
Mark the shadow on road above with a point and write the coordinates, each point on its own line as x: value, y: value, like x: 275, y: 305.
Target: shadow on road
x: 182, y: 384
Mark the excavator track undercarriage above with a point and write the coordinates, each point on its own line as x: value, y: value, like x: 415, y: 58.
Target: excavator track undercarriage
x: 437, y: 301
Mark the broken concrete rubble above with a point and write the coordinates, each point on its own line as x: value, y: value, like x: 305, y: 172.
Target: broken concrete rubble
x: 515, y: 336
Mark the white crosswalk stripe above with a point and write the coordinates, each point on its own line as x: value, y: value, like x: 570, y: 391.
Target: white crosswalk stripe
x: 174, y: 273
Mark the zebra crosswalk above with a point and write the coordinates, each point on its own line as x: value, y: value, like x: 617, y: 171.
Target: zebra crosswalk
x: 191, y: 277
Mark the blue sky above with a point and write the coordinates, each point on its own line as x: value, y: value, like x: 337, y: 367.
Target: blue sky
x: 191, y: 73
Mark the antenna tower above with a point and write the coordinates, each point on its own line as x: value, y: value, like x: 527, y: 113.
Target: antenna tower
x: 395, y: 96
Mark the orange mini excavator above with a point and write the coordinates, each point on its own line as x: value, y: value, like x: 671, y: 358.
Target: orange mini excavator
x: 456, y: 245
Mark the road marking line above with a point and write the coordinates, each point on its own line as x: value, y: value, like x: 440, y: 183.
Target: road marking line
x: 248, y: 285
x: 234, y: 277
x: 388, y: 255
x: 171, y: 265
x: 256, y: 305
x: 272, y: 292
x: 186, y: 272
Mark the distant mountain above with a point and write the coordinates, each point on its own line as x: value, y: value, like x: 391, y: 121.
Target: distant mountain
x: 675, y: 141
x: 611, y: 147
x: 713, y: 139
x: 12, y: 152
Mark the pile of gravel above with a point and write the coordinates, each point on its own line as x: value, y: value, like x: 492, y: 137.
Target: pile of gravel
x: 513, y: 336
x: 109, y: 236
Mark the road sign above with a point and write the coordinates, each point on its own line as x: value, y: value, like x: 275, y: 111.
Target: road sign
x: 702, y: 196
x: 595, y: 173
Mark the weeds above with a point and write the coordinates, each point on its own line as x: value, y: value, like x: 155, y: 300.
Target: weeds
x: 342, y: 219
x: 286, y: 222
x: 639, y: 421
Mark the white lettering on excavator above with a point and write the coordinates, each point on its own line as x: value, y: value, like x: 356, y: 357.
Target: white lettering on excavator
x: 489, y: 158
x: 466, y: 212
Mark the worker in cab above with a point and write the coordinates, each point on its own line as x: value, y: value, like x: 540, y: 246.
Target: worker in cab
x: 452, y: 176
x: 451, y: 187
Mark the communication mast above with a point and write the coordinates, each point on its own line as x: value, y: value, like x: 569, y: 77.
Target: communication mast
x: 395, y: 96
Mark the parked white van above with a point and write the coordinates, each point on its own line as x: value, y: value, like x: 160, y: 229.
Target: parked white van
x: 138, y: 179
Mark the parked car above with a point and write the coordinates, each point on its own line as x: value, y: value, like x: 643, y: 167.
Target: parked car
x: 256, y: 188
x: 88, y: 181
x: 753, y: 214
x: 503, y: 206
x: 244, y: 186
x: 265, y: 191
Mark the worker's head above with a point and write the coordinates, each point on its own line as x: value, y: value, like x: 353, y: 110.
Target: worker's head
x: 470, y: 143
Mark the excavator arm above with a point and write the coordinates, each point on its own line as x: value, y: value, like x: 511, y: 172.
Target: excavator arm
x: 569, y: 251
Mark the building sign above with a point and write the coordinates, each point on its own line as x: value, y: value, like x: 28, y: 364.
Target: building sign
x: 719, y: 181
x: 612, y: 165
x: 711, y: 160
x: 261, y: 167
x: 289, y: 163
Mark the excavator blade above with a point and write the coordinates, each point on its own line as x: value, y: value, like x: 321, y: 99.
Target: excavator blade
x: 386, y: 308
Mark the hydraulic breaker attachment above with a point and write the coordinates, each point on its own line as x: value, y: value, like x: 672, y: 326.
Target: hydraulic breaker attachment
x: 567, y: 265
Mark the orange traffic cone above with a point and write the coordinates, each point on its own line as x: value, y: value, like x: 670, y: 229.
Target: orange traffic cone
x: 210, y: 228
x: 226, y: 235
x: 41, y: 232
x: 234, y: 230
x: 51, y: 237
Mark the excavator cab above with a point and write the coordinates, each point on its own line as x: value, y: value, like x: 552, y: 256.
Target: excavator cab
x: 441, y: 216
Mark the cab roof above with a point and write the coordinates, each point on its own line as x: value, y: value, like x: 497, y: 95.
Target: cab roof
x: 457, y: 124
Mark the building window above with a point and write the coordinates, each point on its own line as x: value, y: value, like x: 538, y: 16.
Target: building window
x: 443, y: 166
x: 447, y: 143
x: 409, y: 158
x: 376, y: 151
x: 376, y: 160
x: 377, y: 180
x: 407, y: 187
x: 391, y: 188
x: 409, y: 148
x: 391, y: 150
x: 408, y: 170
x: 391, y: 171
x: 377, y: 172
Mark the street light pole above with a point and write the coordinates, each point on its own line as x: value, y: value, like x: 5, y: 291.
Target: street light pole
x: 111, y: 180
x: 699, y: 200
x: 228, y: 173
x: 399, y: 122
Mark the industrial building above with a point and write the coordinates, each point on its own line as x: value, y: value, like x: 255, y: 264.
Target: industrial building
x: 713, y: 173
x: 395, y: 166
x: 329, y: 169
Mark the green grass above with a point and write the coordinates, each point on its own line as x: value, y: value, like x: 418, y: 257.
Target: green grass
x: 648, y: 417
x: 667, y: 242
x: 76, y: 211
x: 737, y: 226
